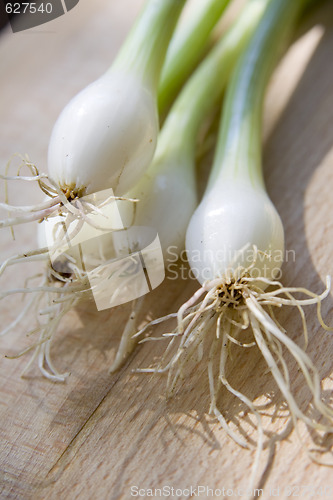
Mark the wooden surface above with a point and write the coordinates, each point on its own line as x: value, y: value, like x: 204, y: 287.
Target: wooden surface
x: 98, y: 434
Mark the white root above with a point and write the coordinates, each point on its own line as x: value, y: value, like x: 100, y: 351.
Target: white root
x: 229, y: 308
x: 127, y: 341
x: 57, y: 293
x: 31, y: 208
x: 59, y: 202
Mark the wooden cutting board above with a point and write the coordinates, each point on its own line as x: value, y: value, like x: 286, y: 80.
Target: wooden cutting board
x: 98, y: 435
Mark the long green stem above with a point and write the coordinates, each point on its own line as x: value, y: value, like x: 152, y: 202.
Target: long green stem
x: 205, y: 87
x: 239, y: 146
x: 145, y: 48
x: 187, y: 47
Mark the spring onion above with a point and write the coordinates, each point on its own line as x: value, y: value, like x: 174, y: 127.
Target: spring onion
x: 235, y: 247
x: 106, y: 135
x: 167, y: 192
x: 104, y: 139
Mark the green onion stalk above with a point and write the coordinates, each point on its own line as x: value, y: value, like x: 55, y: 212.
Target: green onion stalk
x: 187, y: 47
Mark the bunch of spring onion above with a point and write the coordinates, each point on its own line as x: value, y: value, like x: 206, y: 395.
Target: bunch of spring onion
x: 235, y: 247
x: 104, y: 138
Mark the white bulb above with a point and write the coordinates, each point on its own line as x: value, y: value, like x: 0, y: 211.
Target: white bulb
x: 167, y: 199
x: 231, y: 218
x: 105, y: 137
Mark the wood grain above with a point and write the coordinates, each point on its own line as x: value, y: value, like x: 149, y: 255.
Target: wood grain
x: 98, y: 434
